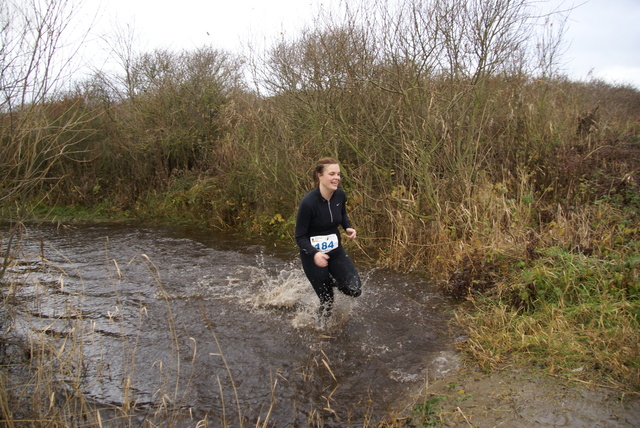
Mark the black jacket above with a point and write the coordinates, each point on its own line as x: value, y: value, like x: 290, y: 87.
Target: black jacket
x: 317, y: 216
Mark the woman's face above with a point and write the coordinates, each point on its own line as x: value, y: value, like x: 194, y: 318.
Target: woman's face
x: 330, y: 177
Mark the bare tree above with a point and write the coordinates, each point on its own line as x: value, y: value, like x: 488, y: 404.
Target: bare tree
x: 39, y: 125
x: 36, y: 124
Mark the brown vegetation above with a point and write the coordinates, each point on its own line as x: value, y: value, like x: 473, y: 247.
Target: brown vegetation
x: 465, y: 156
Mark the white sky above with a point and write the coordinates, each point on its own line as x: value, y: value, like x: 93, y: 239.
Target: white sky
x: 603, y: 36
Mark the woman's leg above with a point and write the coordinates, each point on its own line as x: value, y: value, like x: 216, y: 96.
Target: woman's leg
x: 321, y: 283
x: 344, y: 273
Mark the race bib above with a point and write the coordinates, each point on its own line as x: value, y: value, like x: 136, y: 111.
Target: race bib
x: 325, y: 243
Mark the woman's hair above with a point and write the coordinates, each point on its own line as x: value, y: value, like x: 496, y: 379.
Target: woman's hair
x: 320, y: 166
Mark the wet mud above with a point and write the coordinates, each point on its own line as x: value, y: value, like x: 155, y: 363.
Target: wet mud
x: 523, y: 399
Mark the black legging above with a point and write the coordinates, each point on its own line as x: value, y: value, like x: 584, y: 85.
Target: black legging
x: 340, y: 273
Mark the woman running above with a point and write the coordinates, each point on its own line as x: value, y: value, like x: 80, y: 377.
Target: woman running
x: 324, y: 260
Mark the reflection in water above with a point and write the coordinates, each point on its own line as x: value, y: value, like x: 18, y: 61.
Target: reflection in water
x: 225, y: 330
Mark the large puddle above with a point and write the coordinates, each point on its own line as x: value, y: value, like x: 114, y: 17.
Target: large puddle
x: 224, y: 329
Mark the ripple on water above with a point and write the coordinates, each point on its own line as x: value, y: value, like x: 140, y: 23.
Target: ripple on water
x: 221, y: 318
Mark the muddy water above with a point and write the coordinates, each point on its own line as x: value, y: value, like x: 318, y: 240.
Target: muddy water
x: 223, y: 328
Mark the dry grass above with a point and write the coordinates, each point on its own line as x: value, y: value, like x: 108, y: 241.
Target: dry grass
x: 520, y: 190
x: 569, y: 313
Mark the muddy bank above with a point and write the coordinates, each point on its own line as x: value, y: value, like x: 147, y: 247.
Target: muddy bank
x: 518, y: 398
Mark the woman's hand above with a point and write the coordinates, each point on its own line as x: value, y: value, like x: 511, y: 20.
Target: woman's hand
x: 321, y: 259
x: 351, y: 233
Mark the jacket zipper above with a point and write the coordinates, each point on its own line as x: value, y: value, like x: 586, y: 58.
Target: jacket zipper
x: 330, y: 213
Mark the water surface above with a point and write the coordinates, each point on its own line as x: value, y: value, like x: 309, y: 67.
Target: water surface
x: 223, y: 328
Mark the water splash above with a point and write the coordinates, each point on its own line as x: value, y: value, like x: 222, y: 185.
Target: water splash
x: 285, y: 291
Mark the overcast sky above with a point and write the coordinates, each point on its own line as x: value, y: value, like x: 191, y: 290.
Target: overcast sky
x: 603, y: 36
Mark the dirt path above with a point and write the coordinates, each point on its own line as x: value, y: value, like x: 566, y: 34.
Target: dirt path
x: 519, y: 399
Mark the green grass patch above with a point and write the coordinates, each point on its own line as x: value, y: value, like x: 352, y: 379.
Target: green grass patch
x: 426, y: 414
x: 38, y: 211
x: 570, y: 314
